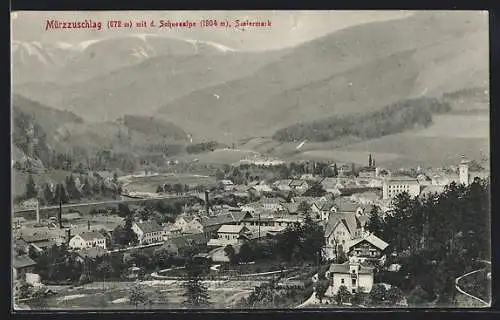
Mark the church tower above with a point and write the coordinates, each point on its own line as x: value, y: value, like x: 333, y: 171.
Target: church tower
x: 464, y: 171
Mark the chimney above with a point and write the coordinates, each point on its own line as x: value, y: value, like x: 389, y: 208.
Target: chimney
x: 37, y: 212
x: 60, y: 215
x: 207, y: 204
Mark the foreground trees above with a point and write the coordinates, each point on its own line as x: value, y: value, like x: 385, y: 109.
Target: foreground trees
x: 439, y: 237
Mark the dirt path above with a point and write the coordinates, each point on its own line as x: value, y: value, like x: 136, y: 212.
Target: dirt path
x: 457, y: 286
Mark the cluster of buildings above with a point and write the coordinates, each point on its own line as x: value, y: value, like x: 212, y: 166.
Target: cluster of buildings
x: 344, y: 212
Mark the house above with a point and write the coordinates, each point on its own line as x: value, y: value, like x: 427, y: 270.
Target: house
x: 299, y: 186
x: 274, y: 204
x: 226, y: 185
x: 90, y: 253
x: 21, y: 246
x: 261, y: 187
x: 18, y: 222
x: 287, y: 220
x: 86, y: 240
x: 340, y: 205
x: 331, y: 185
x: 308, y: 177
x: 148, y: 232
x: 189, y: 224
x: 352, y: 274
x: 397, y: 185
x: 291, y: 208
x: 170, y: 231
x: 22, y: 265
x: 176, y: 245
x: 283, y: 185
x: 367, y: 172
x: 339, y: 230
x: 369, y: 247
x: 229, y: 234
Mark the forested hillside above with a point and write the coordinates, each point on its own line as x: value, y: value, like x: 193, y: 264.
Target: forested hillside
x: 394, y: 118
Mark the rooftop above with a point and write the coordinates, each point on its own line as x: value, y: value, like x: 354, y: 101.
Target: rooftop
x: 149, y: 226
x: 91, y: 235
x: 92, y: 253
x: 344, y: 269
x: 372, y: 239
x: 22, y: 262
x: 227, y: 228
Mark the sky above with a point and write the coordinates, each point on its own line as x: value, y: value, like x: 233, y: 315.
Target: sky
x: 288, y: 28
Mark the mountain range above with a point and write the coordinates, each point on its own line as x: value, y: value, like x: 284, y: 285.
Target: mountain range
x: 212, y: 92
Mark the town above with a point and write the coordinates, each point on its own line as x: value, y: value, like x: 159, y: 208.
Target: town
x: 266, y: 234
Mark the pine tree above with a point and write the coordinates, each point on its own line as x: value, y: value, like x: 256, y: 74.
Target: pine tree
x: 335, y: 170
x: 60, y: 194
x: 73, y: 191
x: 87, y: 188
x: 31, y: 188
x: 375, y: 224
x: 196, y: 293
x: 48, y: 196
x: 370, y: 163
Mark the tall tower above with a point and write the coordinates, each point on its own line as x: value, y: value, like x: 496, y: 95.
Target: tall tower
x: 464, y: 171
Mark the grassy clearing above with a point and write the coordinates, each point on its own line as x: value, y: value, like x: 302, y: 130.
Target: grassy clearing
x: 149, y: 184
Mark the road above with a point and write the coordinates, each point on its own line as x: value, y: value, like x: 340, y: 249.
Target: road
x: 73, y: 205
x: 457, y: 281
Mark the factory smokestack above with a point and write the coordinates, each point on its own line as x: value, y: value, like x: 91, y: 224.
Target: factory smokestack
x: 60, y: 215
x: 207, y: 203
x: 68, y: 232
x: 37, y: 211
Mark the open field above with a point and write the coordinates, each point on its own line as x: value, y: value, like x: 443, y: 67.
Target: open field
x: 221, y: 156
x: 438, y: 145
x: 165, y: 294
x: 150, y: 183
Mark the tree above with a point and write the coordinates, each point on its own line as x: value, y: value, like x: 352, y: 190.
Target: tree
x: 417, y: 296
x: 343, y: 295
x: 219, y: 175
x: 25, y: 291
x: 196, y: 294
x: 370, y: 163
x: 321, y: 287
x: 394, y: 295
x: 354, y: 171
x: 231, y: 254
x: 137, y: 296
x: 160, y: 189
x: 87, y: 189
x: 48, y: 196
x: 130, y: 237
x: 31, y: 188
x: 316, y: 190
x: 60, y: 195
x: 124, y: 210
x: 304, y: 207
x: 178, y: 188
x: 357, y: 298
x: 39, y: 300
x: 246, y: 253
x: 335, y: 170
x: 73, y: 191
x: 375, y: 224
x: 378, y: 294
